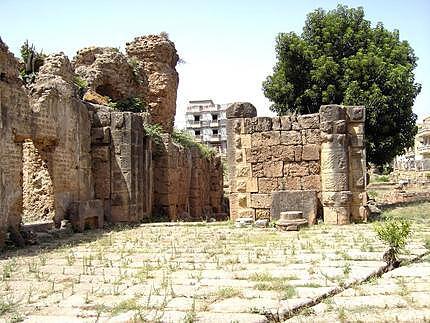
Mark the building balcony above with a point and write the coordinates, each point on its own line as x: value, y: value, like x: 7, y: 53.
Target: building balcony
x: 194, y: 124
x: 214, y: 138
x: 424, y: 131
x: 214, y: 123
x: 424, y: 149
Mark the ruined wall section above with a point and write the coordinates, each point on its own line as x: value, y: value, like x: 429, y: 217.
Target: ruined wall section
x: 110, y: 73
x: 187, y: 186
x: 37, y: 187
x: 14, y: 117
x: 271, y: 154
x: 322, y: 152
x: 159, y: 57
x: 60, y: 122
x: 121, y: 164
x: 49, y: 115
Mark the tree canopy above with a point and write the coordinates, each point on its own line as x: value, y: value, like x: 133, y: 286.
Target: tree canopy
x: 341, y: 59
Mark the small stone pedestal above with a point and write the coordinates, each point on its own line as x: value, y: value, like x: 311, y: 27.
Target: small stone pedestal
x: 291, y: 221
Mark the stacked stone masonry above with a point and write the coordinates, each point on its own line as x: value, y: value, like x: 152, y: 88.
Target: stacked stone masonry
x: 322, y: 153
x: 64, y: 158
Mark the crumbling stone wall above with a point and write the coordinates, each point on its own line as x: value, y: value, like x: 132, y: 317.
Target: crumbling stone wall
x: 322, y: 152
x: 110, y: 73
x: 38, y: 190
x: 121, y: 164
x: 187, y: 186
x: 97, y: 164
x: 51, y: 117
x: 159, y: 58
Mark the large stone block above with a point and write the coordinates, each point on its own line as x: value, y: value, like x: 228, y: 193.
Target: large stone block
x: 241, y: 110
x: 249, y: 125
x: 252, y: 185
x: 356, y: 129
x: 295, y: 200
x: 286, y: 123
x: 332, y: 112
x: 261, y: 201
x: 309, y: 121
x: 311, y: 182
x: 267, y: 185
x: 311, y: 136
x: 101, y: 119
x: 356, y: 113
x: 268, y: 169
x: 282, y: 153
x: 290, y: 183
x: 243, y: 170
x: 265, y: 139
x: 336, y: 214
x: 311, y: 152
x: 291, y: 137
x: 296, y: 169
x: 263, y: 124
x: 276, y: 123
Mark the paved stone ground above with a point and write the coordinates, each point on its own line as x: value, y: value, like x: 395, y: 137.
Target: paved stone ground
x: 216, y: 273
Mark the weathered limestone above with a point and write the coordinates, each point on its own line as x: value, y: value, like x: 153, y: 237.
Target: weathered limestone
x: 65, y: 159
x: 187, y: 186
x: 159, y: 58
x: 321, y: 155
x: 109, y: 72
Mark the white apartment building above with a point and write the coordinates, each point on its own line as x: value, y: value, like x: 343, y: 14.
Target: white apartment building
x: 206, y: 121
x: 418, y: 157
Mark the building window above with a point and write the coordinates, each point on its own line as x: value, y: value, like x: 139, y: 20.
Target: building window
x: 197, y: 132
x: 197, y: 118
x: 215, y: 132
x: 214, y: 117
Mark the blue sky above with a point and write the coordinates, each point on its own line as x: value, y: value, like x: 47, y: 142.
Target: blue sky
x: 228, y: 46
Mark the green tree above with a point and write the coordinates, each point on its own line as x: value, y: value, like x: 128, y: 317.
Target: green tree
x: 340, y: 59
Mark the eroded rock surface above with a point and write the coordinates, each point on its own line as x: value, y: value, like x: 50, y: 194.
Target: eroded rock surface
x: 110, y: 73
x: 159, y: 58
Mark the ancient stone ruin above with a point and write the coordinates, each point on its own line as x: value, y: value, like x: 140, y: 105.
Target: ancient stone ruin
x: 313, y: 163
x: 64, y: 157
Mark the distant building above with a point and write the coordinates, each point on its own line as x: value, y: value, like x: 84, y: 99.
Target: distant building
x: 418, y: 157
x: 206, y: 121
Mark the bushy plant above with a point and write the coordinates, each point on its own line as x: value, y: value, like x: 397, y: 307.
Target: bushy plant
x: 395, y: 234
x: 183, y: 138
x: 132, y: 104
x: 81, y: 84
x: 382, y: 179
x: 32, y: 61
x: 154, y: 131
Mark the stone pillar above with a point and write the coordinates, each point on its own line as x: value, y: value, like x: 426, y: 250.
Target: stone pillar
x: 336, y: 196
x: 236, y: 156
x: 357, y: 162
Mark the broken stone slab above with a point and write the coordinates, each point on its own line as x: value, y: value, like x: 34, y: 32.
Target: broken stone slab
x: 262, y: 223
x: 244, y: 222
